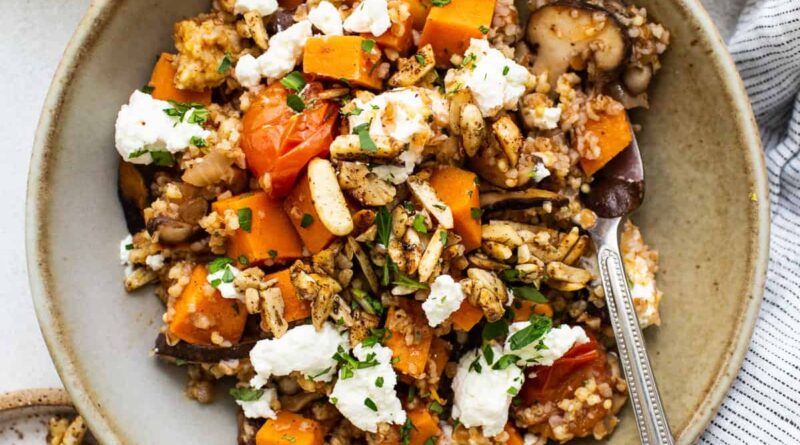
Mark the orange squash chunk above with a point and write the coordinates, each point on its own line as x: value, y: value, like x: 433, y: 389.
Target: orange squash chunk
x: 341, y: 57
x: 419, y: 11
x: 514, y: 437
x: 449, y: 28
x: 467, y: 316
x: 458, y: 189
x: 299, y: 206
x: 614, y: 134
x: 440, y: 352
x: 425, y: 426
x: 410, y: 359
x: 271, y: 236
x: 399, y: 37
x: 294, y: 308
x: 201, y: 305
x: 163, y: 82
x: 524, y: 309
x: 289, y: 428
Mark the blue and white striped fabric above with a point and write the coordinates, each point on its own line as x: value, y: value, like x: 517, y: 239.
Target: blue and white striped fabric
x: 763, y: 406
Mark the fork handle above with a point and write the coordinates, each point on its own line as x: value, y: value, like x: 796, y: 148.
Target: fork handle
x: 645, y: 399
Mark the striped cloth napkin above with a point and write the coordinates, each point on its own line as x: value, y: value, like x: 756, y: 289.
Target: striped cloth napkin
x: 763, y: 406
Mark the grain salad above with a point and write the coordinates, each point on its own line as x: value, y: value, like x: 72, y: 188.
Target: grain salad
x: 368, y: 214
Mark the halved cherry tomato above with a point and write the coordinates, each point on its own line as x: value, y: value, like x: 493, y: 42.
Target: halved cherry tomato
x: 278, y: 142
x: 558, y: 382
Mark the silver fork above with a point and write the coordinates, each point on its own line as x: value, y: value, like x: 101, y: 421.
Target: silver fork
x: 617, y: 191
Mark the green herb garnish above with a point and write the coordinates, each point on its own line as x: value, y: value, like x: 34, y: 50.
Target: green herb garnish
x: 306, y: 221
x: 529, y: 293
x: 296, y: 103
x: 419, y: 224
x: 483, y: 29
x: 218, y: 264
x: 409, y: 283
x: 367, y: 45
x: 476, y: 213
x: 539, y: 326
x: 246, y: 394
x: 505, y: 361
x: 294, y: 81
x: 162, y: 158
x: 245, y: 218
x: 225, y: 64
x: 383, y: 219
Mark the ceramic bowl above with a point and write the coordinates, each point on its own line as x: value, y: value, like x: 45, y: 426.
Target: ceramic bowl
x: 701, y: 151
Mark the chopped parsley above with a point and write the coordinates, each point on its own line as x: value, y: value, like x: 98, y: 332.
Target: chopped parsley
x: 245, y: 215
x: 539, y: 326
x: 383, y: 219
x: 242, y: 260
x: 440, y: 2
x: 227, y: 276
x: 147, y: 89
x: 225, y: 64
x: 420, y: 59
x: 320, y: 374
x: 246, y: 394
x: 294, y: 81
x: 529, y: 293
x: 179, y: 110
x: 412, y: 394
x: 295, y: 102
x: 197, y: 141
x: 162, y: 158
x: 512, y: 391
x: 180, y: 362
x: 510, y: 275
x: 488, y: 354
x: 409, y: 283
x: 419, y: 224
x: 306, y: 221
x: 505, y: 70
x: 443, y: 237
x: 376, y: 336
x: 348, y: 364
x: 476, y: 213
x: 505, y: 361
x: 476, y: 365
x: 289, y: 438
x: 364, y: 139
x: 128, y: 246
x: 494, y: 330
x: 430, y: 441
x: 367, y: 45
x: 405, y: 431
x: 218, y: 264
x: 435, y: 407
x: 370, y: 404
x: 483, y: 29
x: 372, y: 305
x: 273, y: 253
x: 379, y: 382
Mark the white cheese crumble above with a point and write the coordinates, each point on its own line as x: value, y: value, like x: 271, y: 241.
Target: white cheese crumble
x: 369, y: 397
x: 155, y: 262
x: 530, y: 439
x: 548, y: 348
x: 284, y: 53
x: 142, y: 127
x: 262, y: 7
x: 547, y: 118
x: 641, y: 265
x: 302, y: 349
x: 369, y: 16
x: 327, y: 19
x: 224, y: 282
x: 482, y: 395
x: 540, y: 172
x: 261, y: 408
x: 495, y: 81
x: 125, y: 247
x: 444, y: 299
x: 398, y: 174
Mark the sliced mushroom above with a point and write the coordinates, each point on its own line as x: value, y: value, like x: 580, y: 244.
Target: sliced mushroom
x: 170, y: 231
x: 134, y: 195
x: 576, y: 35
x: 298, y: 402
x: 200, y: 353
x: 523, y: 199
x: 413, y: 69
x: 510, y: 138
x: 193, y: 210
x: 280, y: 21
x: 473, y: 128
x: 426, y: 195
x: 347, y: 147
x: 327, y: 197
x: 213, y: 168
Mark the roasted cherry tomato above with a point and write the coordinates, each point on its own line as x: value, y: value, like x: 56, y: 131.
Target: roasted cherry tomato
x: 278, y: 142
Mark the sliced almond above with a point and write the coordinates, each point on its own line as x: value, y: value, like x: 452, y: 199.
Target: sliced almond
x: 509, y: 137
x: 366, y: 264
x: 328, y: 198
x: 347, y: 147
x: 430, y: 258
x: 473, y: 128
x: 426, y: 195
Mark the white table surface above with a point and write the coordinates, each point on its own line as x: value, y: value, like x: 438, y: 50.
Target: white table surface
x: 33, y: 34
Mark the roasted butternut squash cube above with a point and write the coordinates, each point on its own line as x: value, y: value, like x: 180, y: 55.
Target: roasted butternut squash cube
x: 342, y: 58
x: 449, y: 28
x: 293, y: 307
x: 163, y: 83
x: 289, y: 428
x: 301, y: 210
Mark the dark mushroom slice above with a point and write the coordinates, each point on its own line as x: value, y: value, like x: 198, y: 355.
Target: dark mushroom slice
x: 573, y: 35
x: 280, y: 21
x: 134, y: 195
x: 200, y: 353
x: 517, y: 200
x: 173, y: 232
x: 248, y: 428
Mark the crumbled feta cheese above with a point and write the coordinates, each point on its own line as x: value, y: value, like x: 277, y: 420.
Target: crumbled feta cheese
x: 248, y: 71
x: 496, y: 82
x: 444, y: 299
x: 302, y: 349
x: 548, y: 348
x: 547, y: 118
x: 143, y: 127
x: 261, y: 408
x: 326, y: 18
x: 482, y: 395
x: 369, y: 397
x: 224, y: 282
x: 125, y: 247
x: 398, y: 174
x: 263, y: 7
x: 369, y: 16
x: 530, y: 439
x: 539, y: 172
x: 284, y: 53
x: 155, y: 262
x: 401, y: 114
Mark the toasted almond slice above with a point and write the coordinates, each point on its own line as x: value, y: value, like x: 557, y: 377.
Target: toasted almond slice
x: 430, y: 258
x: 366, y: 264
x: 509, y: 137
x: 328, y: 198
x: 426, y: 195
x: 347, y: 147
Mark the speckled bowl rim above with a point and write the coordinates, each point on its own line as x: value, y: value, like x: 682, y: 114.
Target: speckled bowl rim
x: 106, y: 428
x: 54, y: 398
